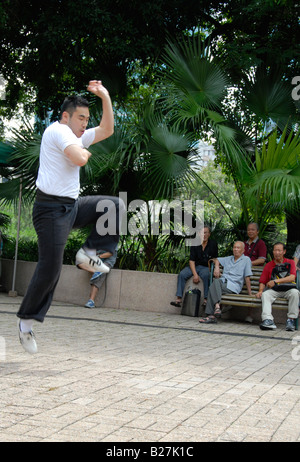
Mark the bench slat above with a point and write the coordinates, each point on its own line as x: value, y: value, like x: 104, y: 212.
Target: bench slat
x: 246, y: 300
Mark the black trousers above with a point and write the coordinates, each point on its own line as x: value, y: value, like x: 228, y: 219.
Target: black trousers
x: 53, y: 221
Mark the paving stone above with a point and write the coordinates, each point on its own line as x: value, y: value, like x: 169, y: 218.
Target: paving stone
x: 112, y: 375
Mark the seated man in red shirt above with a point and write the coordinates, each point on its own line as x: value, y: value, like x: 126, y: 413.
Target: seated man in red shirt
x: 278, y: 280
x: 255, y: 248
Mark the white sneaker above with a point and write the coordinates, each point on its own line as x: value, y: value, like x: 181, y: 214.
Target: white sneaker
x: 93, y: 261
x: 27, y: 340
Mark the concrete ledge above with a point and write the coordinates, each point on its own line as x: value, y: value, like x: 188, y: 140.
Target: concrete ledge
x: 125, y: 289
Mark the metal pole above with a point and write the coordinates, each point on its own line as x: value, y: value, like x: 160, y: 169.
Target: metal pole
x: 13, y: 292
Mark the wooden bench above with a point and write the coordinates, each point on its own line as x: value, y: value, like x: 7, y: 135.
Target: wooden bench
x: 245, y: 300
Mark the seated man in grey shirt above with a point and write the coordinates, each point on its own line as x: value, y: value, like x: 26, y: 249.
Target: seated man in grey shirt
x: 236, y: 269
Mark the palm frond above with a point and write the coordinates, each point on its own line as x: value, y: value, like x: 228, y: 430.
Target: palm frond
x: 198, y: 85
x: 277, y: 174
x: 195, y: 78
x: 169, y: 160
x: 24, y: 161
x: 279, y: 153
x: 269, y: 97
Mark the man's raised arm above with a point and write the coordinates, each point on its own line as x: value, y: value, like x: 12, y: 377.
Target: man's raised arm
x: 106, y: 126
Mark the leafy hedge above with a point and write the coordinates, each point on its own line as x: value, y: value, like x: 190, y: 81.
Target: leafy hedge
x: 129, y: 257
x: 166, y: 261
x: 28, y: 250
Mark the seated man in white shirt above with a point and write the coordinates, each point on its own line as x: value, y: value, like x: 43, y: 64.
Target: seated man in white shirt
x: 236, y: 269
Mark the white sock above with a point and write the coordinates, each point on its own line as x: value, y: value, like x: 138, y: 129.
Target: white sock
x: 26, y: 325
x: 90, y: 252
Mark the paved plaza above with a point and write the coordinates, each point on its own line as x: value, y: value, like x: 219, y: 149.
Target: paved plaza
x: 108, y: 375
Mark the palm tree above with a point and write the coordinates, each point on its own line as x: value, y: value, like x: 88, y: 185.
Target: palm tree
x: 198, y: 85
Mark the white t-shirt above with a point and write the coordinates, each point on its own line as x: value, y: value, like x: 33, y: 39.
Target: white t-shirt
x: 57, y: 174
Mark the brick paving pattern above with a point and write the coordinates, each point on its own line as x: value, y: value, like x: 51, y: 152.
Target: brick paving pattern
x: 112, y: 375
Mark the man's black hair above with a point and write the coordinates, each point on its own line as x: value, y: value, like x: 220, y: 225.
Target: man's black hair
x: 72, y: 102
x: 253, y: 223
x: 280, y: 243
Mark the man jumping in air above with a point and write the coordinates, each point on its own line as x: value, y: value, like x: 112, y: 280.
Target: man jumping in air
x: 58, y: 207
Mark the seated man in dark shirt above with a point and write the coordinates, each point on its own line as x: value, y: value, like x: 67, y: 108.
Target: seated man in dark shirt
x: 255, y: 248
x: 198, y: 266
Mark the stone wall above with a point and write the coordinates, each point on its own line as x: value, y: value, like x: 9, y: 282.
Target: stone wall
x: 125, y: 289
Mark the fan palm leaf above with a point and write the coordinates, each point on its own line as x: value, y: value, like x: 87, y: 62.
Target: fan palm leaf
x: 195, y: 78
x: 169, y: 161
x: 197, y: 86
x: 269, y: 97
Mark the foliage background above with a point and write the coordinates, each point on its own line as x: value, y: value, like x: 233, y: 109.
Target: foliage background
x: 177, y: 72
